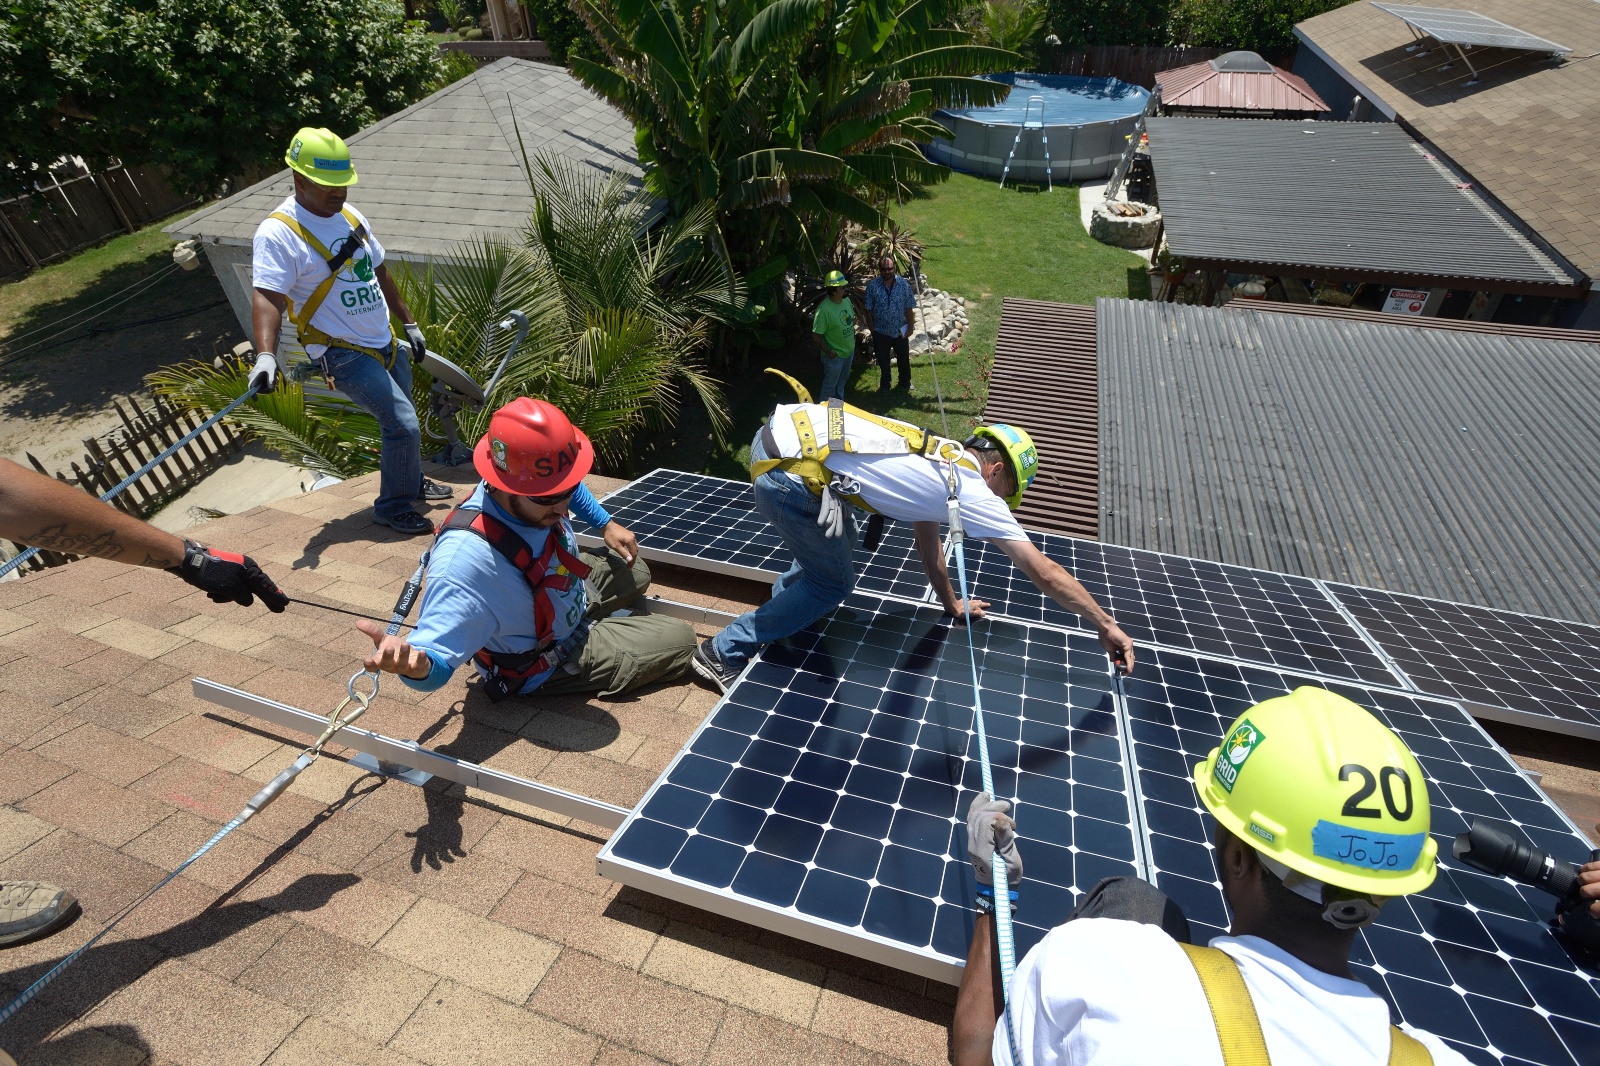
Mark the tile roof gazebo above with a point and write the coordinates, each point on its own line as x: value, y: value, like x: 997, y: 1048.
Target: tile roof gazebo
x: 1237, y: 84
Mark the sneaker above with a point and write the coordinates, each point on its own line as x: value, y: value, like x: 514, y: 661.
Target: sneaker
x: 30, y: 909
x: 435, y: 490
x: 710, y: 669
x: 408, y: 522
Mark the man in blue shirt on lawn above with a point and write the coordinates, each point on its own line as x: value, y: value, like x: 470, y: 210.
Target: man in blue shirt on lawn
x: 888, y: 303
x: 509, y: 589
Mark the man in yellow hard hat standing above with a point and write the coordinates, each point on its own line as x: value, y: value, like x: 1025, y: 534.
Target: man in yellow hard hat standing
x: 1322, y: 817
x: 316, y: 259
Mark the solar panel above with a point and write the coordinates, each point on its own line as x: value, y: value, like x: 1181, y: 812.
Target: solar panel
x: 1455, y: 26
x: 710, y: 523
x: 1538, y: 672
x: 1469, y: 959
x: 1213, y: 608
x: 824, y: 797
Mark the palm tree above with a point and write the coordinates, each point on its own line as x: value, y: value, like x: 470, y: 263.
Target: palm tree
x: 789, y: 116
x: 618, y: 313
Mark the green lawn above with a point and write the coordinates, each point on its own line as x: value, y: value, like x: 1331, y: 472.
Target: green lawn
x: 54, y: 291
x: 983, y: 243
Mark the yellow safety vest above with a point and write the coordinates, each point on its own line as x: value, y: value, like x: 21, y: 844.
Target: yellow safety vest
x: 307, y: 333
x: 1238, y: 1028
x: 811, y: 465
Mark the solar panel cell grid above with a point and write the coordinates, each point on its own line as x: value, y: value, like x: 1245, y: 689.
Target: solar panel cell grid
x: 711, y: 522
x: 1545, y: 672
x: 1469, y: 958
x: 1213, y: 608
x: 832, y: 781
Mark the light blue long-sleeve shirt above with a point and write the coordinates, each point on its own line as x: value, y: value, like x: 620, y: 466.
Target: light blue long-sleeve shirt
x: 475, y: 598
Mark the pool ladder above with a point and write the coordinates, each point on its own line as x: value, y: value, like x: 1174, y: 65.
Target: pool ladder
x: 1044, y: 139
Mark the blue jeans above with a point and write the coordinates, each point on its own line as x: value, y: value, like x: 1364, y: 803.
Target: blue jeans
x: 835, y: 372
x: 386, y: 396
x: 823, y: 573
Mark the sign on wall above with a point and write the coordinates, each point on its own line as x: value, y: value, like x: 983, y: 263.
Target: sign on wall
x: 1405, y: 301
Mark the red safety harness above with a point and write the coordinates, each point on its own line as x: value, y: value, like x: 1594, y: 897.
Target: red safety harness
x: 508, y: 670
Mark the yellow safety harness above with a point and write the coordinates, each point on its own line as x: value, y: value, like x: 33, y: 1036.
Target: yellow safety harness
x: 811, y: 465
x: 308, y: 333
x: 1238, y: 1028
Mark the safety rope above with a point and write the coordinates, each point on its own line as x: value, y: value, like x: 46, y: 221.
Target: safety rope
x: 274, y: 788
x: 1004, y: 935
x: 22, y: 557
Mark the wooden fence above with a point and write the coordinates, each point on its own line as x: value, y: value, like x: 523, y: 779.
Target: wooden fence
x: 143, y: 435
x: 1133, y: 63
x: 73, y: 209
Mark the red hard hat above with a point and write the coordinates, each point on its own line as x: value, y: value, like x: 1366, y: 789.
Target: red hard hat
x: 532, y: 449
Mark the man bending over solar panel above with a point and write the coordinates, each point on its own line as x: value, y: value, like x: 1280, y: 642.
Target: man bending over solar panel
x: 814, y: 465
x: 1302, y: 871
x: 515, y: 596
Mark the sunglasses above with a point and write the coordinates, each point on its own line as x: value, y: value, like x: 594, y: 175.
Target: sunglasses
x: 551, y: 501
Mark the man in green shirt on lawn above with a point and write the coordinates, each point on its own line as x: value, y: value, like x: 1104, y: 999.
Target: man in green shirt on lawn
x: 835, y: 329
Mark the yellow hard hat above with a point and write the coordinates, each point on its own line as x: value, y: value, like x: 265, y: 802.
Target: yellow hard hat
x: 835, y: 280
x: 1317, y: 784
x: 321, y: 155
x: 1020, y: 453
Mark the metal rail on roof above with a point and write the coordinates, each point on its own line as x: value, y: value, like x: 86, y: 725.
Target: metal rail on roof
x: 1459, y: 29
x: 410, y: 754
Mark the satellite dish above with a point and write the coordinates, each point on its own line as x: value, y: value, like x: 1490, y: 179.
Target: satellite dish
x: 448, y: 374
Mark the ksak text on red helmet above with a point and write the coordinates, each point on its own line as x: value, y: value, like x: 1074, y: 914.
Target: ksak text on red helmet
x: 533, y: 449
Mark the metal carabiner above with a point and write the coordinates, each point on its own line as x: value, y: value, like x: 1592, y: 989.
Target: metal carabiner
x: 365, y: 699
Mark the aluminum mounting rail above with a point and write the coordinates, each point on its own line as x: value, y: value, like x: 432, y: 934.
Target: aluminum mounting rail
x: 413, y: 756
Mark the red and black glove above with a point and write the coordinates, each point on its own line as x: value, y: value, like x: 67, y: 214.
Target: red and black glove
x: 228, y: 577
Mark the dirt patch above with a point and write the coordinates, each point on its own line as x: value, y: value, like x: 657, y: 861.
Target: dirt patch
x: 54, y: 395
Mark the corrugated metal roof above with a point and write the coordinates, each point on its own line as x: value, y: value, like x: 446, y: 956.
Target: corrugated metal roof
x: 1353, y: 196
x: 1458, y: 325
x: 1044, y: 381
x: 1457, y: 464
x: 1203, y: 85
x: 450, y: 166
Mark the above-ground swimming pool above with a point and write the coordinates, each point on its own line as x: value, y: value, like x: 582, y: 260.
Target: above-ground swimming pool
x: 1086, y: 123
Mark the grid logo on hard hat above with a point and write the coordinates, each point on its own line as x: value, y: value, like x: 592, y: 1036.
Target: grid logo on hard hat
x: 1239, y: 746
x: 294, y: 149
x: 497, y: 452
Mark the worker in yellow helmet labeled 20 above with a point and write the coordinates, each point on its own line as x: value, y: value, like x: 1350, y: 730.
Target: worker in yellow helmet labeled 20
x: 1322, y: 816
x: 316, y: 260
x: 815, y: 465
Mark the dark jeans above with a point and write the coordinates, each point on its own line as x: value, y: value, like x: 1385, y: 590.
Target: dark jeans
x: 1133, y: 900
x: 884, y: 346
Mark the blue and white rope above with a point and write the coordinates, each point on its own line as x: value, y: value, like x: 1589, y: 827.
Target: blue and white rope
x: 1002, y: 907
x: 166, y: 453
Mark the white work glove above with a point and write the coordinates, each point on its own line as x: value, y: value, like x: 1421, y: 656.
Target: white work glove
x: 833, y: 516
x: 264, y: 375
x: 419, y: 347
x: 991, y: 830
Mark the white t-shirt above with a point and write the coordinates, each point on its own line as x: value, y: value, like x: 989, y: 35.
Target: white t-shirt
x: 354, y: 309
x: 906, y: 488
x: 1119, y: 993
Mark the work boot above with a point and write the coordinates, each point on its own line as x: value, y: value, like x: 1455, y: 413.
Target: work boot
x: 408, y: 522
x: 32, y: 909
x: 710, y: 668
x: 433, y: 491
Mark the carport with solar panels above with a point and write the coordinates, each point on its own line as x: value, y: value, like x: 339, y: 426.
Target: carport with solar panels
x: 824, y: 796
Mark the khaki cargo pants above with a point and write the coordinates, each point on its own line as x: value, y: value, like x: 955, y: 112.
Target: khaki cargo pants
x: 623, y: 653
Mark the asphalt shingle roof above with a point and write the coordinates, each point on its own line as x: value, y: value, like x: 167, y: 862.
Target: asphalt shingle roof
x: 450, y: 166
x: 1528, y: 132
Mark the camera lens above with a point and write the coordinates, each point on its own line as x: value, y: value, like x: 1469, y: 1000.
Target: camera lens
x: 1499, y: 851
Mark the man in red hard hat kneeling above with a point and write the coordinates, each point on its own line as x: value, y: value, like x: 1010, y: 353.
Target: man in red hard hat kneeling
x: 509, y: 589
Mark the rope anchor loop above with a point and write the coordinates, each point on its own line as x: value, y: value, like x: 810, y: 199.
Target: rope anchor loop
x: 363, y: 698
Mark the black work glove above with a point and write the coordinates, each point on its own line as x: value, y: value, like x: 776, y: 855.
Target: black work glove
x: 228, y: 577
x: 419, y: 347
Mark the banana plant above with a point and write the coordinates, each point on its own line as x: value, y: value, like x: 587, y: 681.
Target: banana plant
x: 790, y: 117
